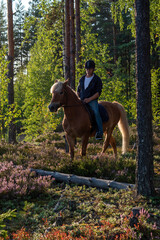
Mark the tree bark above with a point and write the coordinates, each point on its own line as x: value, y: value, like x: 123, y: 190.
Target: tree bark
x: 67, y: 40
x: 72, y: 45
x: 12, y: 128
x: 78, y: 32
x: 144, y: 171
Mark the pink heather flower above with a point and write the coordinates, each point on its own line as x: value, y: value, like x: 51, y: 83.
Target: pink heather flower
x: 14, y: 180
x: 154, y: 225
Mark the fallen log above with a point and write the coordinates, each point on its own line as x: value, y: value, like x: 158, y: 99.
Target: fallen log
x: 88, y: 181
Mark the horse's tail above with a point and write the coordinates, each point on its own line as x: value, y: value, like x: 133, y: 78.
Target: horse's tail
x: 123, y: 127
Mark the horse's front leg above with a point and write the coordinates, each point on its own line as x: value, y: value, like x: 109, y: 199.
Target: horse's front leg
x: 84, y: 144
x: 71, y: 143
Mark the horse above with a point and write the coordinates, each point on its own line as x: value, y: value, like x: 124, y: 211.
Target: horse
x: 77, y: 123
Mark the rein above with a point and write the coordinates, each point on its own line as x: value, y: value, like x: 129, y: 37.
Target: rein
x: 75, y: 105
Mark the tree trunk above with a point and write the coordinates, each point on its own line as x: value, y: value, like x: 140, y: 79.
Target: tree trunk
x: 12, y: 129
x: 144, y: 171
x: 78, y: 32
x: 67, y: 40
x: 72, y: 46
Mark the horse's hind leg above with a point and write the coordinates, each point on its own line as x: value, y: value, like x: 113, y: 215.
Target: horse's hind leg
x: 71, y: 143
x: 107, y: 140
x: 113, y: 144
x: 84, y: 144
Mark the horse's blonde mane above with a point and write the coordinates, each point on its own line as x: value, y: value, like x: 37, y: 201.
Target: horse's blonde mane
x: 57, y: 87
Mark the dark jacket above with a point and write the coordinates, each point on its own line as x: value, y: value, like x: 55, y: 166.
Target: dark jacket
x: 94, y: 86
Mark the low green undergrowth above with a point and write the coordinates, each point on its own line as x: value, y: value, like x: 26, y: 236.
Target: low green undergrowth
x: 33, y: 207
x: 78, y: 212
x: 47, y: 152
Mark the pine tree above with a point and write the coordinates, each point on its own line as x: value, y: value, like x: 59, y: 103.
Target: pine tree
x: 78, y: 31
x: 3, y: 25
x: 67, y: 40
x: 12, y: 127
x: 32, y: 17
x: 72, y: 45
x: 144, y: 108
x: 20, y: 53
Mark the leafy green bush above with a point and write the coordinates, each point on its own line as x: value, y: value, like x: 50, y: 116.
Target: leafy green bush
x: 3, y: 217
x: 40, y: 120
x: 155, y: 75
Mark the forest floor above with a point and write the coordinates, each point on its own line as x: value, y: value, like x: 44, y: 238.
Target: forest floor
x: 69, y: 211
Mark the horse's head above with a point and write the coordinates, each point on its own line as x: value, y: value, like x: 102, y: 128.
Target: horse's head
x: 58, y: 95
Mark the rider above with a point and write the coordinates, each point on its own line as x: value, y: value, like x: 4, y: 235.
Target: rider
x: 89, y: 90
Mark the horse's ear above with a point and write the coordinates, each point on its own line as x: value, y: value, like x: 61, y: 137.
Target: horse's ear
x: 66, y: 82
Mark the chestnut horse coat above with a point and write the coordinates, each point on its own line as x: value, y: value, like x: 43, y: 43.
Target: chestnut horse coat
x: 76, y: 122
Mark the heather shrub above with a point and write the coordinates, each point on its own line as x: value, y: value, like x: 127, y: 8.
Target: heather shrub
x: 17, y: 181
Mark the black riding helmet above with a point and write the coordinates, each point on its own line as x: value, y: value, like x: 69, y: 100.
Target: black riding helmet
x: 90, y: 64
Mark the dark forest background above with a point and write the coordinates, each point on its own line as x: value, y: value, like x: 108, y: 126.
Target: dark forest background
x: 107, y: 35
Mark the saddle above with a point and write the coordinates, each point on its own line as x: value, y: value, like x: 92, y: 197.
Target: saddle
x: 102, y: 111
